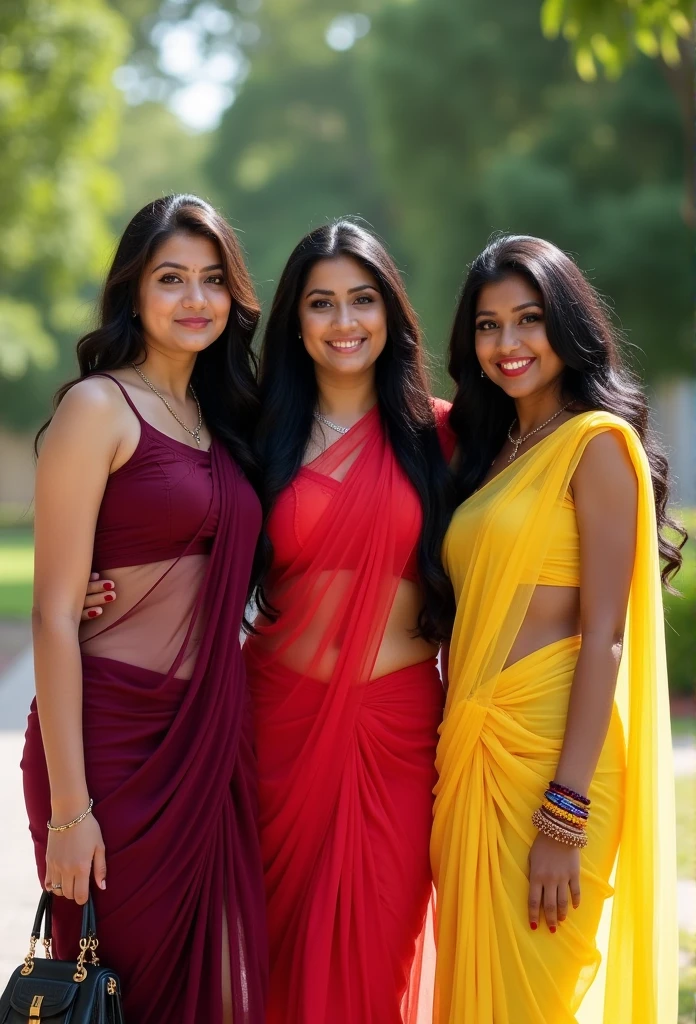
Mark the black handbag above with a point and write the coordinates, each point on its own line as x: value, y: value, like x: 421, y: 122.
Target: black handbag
x: 62, y: 991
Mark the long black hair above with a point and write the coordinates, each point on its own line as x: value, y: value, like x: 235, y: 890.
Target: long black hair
x: 225, y: 373
x: 289, y: 394
x: 579, y: 329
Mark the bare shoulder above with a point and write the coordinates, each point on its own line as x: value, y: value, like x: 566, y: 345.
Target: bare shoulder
x: 92, y: 414
x: 606, y: 468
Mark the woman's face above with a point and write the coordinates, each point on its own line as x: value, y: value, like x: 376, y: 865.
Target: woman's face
x: 511, y: 343
x: 343, y: 318
x: 183, y: 299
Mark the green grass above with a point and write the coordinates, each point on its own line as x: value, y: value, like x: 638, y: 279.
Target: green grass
x: 16, y: 572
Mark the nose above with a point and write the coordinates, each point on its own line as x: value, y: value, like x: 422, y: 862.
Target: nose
x: 344, y: 315
x: 507, y: 339
x: 195, y: 296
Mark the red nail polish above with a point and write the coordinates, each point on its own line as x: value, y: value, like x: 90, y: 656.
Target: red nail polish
x: 533, y: 925
x: 109, y: 597
x: 108, y: 586
x: 552, y: 928
x: 92, y: 613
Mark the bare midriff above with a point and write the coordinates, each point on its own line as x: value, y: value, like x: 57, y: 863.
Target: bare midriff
x: 553, y: 615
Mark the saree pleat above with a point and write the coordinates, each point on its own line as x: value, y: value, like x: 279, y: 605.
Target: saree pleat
x: 499, y: 745
x: 170, y: 766
x: 346, y: 761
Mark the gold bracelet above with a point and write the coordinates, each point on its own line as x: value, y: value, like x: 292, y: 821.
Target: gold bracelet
x: 75, y: 821
x: 554, y: 830
x: 559, y: 812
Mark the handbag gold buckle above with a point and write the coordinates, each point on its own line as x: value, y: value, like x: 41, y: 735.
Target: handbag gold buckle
x: 29, y: 958
x: 35, y: 1008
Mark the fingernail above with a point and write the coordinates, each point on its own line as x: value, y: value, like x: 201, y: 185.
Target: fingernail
x: 92, y: 613
x: 108, y: 586
x: 102, y: 884
x: 109, y: 597
x: 552, y: 928
x: 533, y: 925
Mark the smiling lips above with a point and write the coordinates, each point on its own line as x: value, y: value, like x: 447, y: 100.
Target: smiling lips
x: 194, y: 322
x: 515, y: 367
x: 345, y: 344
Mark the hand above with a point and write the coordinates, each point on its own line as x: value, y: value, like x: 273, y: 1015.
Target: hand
x: 99, y: 593
x: 70, y: 857
x: 554, y: 868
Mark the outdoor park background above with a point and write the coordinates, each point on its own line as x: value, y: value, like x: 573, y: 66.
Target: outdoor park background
x: 439, y: 121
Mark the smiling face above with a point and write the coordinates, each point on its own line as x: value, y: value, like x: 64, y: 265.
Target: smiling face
x: 511, y: 342
x: 343, y: 317
x: 183, y: 299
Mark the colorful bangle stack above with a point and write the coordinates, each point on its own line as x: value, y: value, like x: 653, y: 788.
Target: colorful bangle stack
x: 563, y: 815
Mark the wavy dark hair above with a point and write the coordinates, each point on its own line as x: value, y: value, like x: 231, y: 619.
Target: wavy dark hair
x: 289, y: 395
x: 225, y: 374
x: 580, y: 331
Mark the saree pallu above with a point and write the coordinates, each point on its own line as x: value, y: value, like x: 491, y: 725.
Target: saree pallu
x: 346, y: 760
x: 169, y: 760
x: 499, y: 745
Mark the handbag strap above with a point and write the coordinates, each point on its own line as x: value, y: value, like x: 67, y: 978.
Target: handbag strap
x: 45, y: 913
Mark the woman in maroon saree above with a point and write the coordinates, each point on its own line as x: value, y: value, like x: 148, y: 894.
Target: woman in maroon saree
x: 149, y: 716
x: 347, y: 697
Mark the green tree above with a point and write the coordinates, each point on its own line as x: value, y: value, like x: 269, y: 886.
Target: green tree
x: 58, y: 118
x: 609, y: 33
x: 482, y: 125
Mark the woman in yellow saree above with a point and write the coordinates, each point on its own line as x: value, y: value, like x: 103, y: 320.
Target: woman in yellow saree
x: 557, y: 691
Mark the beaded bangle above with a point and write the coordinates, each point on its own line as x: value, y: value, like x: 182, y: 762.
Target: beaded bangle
x: 557, y: 812
x: 567, y: 805
x: 554, y: 830
x: 570, y: 792
x: 573, y: 829
x: 75, y: 821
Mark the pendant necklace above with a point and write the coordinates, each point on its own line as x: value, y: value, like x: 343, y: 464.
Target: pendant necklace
x: 334, y: 426
x: 196, y: 432
x: 525, y: 437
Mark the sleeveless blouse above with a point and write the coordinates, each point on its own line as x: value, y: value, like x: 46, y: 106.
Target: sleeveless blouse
x: 302, y: 505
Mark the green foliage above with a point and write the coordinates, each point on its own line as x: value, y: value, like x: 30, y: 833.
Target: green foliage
x: 609, y: 33
x: 58, y: 117
x: 482, y: 125
x: 16, y: 572
x: 680, y: 620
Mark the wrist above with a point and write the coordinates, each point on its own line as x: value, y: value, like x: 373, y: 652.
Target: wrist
x: 65, y: 807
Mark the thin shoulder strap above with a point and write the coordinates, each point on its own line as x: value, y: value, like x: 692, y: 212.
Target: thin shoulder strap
x: 123, y: 392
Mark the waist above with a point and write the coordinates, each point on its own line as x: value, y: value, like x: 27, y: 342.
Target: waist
x: 114, y: 555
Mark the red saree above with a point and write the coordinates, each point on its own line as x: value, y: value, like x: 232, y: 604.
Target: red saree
x: 345, y: 759
x: 167, y: 740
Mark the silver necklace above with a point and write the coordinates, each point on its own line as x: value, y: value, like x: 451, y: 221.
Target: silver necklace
x: 334, y: 426
x: 196, y: 432
x: 525, y: 437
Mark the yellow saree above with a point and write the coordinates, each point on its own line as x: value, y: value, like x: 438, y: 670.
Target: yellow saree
x: 499, y: 745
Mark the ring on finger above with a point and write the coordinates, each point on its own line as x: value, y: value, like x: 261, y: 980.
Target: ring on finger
x: 56, y: 885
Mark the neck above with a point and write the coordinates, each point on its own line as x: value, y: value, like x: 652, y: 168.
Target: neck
x: 345, y: 400
x: 534, y: 410
x: 170, y: 373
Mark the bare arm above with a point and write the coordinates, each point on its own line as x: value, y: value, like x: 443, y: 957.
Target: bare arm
x: 73, y: 468
x: 606, y: 501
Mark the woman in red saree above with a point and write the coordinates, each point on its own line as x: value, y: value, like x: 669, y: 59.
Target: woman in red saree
x: 347, y: 697
x: 141, y: 744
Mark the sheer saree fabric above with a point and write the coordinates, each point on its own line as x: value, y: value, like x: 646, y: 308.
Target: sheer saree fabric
x: 346, y: 761
x: 167, y: 739
x: 499, y: 745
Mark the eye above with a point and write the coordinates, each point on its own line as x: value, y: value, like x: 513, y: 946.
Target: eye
x: 531, y: 318
x: 364, y: 299
x: 170, y: 279
x: 486, y: 325
x: 215, y: 279
x: 320, y: 304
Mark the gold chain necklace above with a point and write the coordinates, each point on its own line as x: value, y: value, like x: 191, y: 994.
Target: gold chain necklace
x: 522, y: 438
x: 196, y: 432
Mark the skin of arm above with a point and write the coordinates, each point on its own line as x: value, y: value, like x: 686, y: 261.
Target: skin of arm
x: 74, y: 463
x: 605, y: 490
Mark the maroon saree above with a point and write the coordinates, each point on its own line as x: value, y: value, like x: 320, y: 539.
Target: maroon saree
x: 167, y: 738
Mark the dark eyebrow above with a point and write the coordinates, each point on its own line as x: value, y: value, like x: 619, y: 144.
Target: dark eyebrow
x: 516, y: 309
x: 358, y: 288
x: 180, y: 266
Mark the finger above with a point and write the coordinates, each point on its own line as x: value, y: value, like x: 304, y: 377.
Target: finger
x: 100, y: 867
x: 68, y: 890
x: 100, y: 586
x: 94, y: 600
x: 90, y: 613
x: 81, y: 888
x: 550, y: 908
x: 534, y: 904
x: 51, y: 882
x: 93, y: 576
x: 575, y: 891
x: 562, y: 903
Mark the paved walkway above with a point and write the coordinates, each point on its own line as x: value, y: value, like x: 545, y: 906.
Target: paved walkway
x: 21, y: 891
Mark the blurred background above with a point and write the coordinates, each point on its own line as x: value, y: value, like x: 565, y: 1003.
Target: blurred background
x: 438, y: 121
